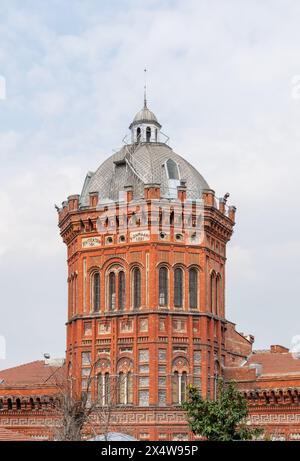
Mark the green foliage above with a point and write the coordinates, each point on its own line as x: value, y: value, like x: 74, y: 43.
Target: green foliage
x: 222, y: 419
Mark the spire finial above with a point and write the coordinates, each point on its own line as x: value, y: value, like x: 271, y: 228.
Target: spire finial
x: 145, y: 89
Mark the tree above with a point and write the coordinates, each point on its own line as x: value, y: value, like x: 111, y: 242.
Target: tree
x: 79, y: 414
x: 222, y: 419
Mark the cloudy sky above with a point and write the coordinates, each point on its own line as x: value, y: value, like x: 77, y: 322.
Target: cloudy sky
x: 223, y: 81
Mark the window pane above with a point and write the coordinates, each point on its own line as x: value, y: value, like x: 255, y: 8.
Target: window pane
x: 178, y: 289
x: 136, y: 288
x: 162, y: 355
x: 112, y: 291
x: 86, y: 358
x: 121, y: 290
x: 144, y: 398
x: 144, y: 355
x: 163, y: 286
x: 162, y: 397
x: 144, y: 381
x: 96, y: 292
x: 144, y: 368
x: 172, y: 168
x: 162, y: 381
x: 193, y: 282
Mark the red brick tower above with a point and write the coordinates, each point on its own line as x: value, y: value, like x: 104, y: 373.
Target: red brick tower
x: 146, y: 244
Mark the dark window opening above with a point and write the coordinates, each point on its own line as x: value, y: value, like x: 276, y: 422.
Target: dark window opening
x: 178, y: 287
x: 121, y: 290
x: 193, y: 289
x: 148, y: 134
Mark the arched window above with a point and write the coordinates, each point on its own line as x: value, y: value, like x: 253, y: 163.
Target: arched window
x: 156, y: 135
x: 9, y: 404
x: 112, y: 291
x: 121, y: 290
x: 172, y: 169
x: 125, y: 388
x: 129, y: 387
x: 148, y: 134
x: 31, y: 402
x: 179, y: 386
x: 175, y: 388
x: 96, y: 292
x: 136, y: 288
x: 183, y: 383
x: 213, y: 293
x: 104, y: 388
x: 163, y: 286
x: 138, y: 135
x: 18, y: 404
x: 178, y: 287
x: 193, y: 288
x: 218, y: 294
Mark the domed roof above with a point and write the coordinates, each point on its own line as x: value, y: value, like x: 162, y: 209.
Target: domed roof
x: 145, y: 116
x: 140, y: 164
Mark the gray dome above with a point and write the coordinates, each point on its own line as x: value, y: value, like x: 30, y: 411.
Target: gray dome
x: 145, y: 116
x: 140, y: 164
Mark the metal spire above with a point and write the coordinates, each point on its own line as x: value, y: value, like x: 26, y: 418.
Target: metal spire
x: 145, y: 89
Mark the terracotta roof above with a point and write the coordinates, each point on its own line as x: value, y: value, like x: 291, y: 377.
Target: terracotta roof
x: 275, y: 363
x: 33, y: 373
x: 7, y: 435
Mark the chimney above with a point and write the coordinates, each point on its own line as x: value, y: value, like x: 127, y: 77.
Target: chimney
x: 277, y: 349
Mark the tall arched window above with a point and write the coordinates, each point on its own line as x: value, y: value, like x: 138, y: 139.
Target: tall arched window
x: 178, y: 287
x: 138, y: 134
x: 96, y: 292
x: 136, y: 288
x: 112, y: 291
x: 163, y: 286
x: 213, y: 293
x: 183, y: 383
x: 175, y: 388
x: 193, y: 288
x: 125, y: 388
x: 121, y: 290
x: 148, y: 134
x: 18, y: 404
x: 104, y: 388
x: 218, y: 294
x: 179, y: 386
